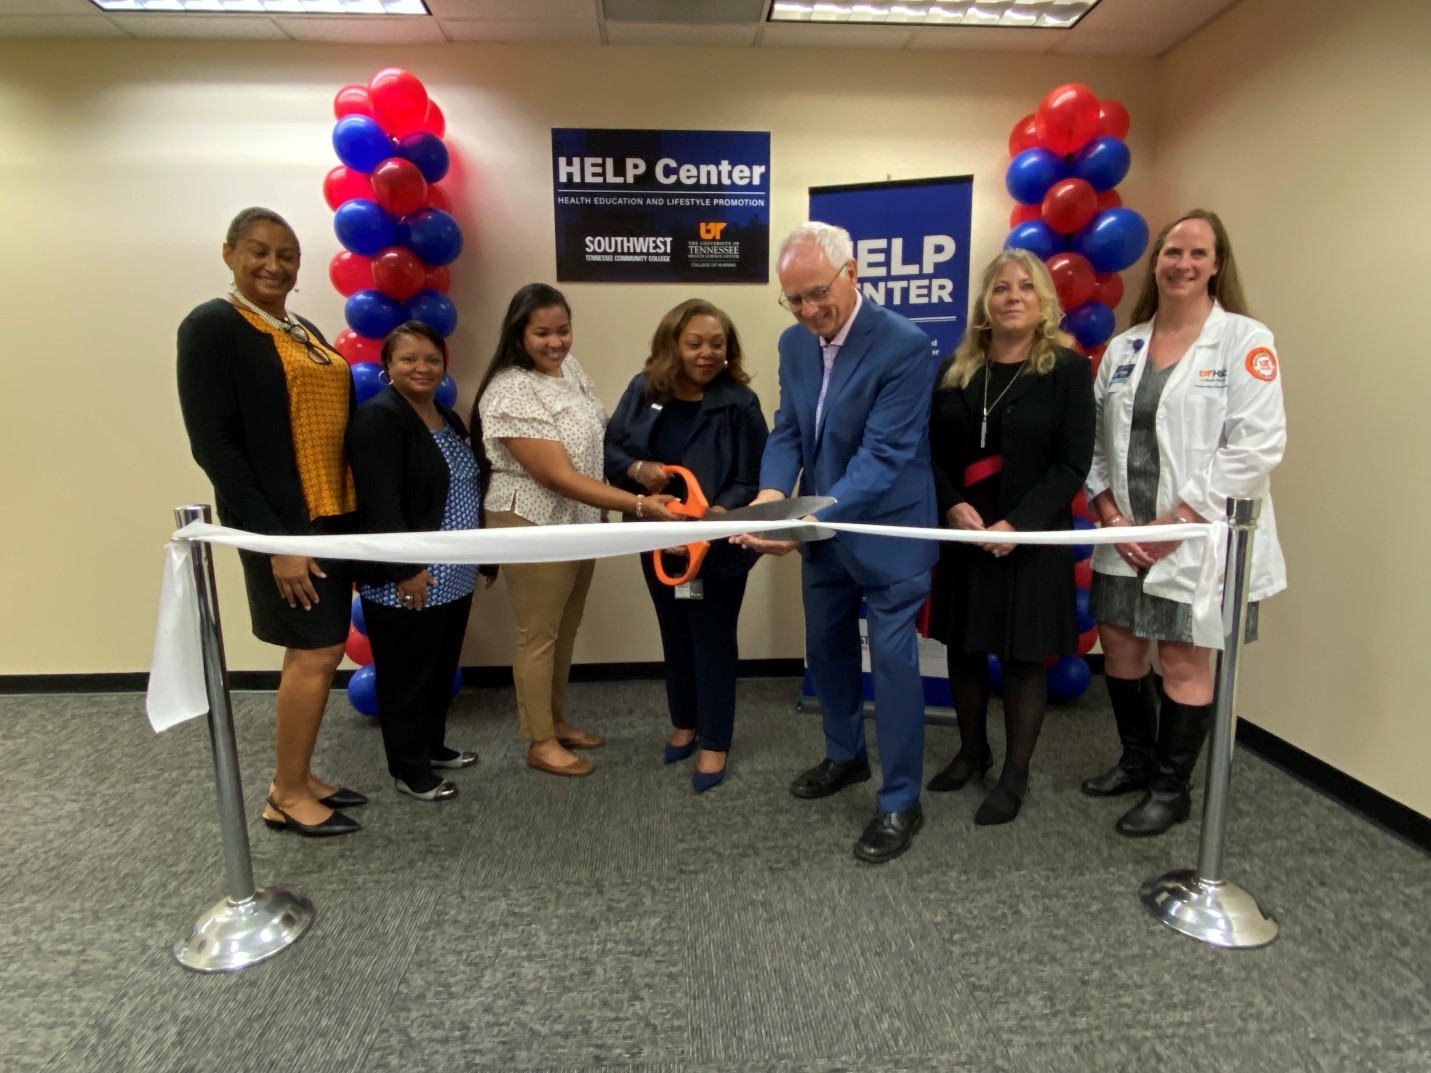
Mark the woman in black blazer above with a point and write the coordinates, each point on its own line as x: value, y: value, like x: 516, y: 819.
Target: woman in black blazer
x: 1011, y: 432
x: 691, y: 407
x: 415, y: 472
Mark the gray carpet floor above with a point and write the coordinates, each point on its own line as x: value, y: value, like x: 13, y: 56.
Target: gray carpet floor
x: 622, y: 923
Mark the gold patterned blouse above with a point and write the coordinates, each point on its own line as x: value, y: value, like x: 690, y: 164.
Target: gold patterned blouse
x: 318, y: 413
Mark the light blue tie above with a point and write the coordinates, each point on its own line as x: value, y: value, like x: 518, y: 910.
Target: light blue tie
x: 827, y: 353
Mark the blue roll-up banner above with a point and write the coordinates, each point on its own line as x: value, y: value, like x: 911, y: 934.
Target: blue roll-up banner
x: 912, y: 256
x: 662, y: 206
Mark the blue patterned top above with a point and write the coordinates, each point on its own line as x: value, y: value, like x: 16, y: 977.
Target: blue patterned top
x: 454, y: 580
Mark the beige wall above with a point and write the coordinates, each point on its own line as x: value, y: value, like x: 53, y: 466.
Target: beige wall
x: 1305, y: 125
x: 122, y: 162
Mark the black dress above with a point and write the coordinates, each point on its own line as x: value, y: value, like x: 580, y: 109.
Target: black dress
x: 1040, y: 441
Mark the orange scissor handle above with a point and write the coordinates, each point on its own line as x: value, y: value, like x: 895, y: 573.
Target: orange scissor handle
x: 693, y: 506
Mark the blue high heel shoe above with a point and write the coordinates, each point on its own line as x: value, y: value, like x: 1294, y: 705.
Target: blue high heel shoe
x: 676, y: 753
x: 701, y: 781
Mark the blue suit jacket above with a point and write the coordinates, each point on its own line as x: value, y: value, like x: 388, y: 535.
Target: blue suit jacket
x: 871, y: 451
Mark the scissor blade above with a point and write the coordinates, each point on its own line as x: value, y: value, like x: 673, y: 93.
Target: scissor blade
x: 778, y: 510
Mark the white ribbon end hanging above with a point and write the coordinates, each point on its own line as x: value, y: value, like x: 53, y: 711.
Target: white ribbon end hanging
x: 176, y: 691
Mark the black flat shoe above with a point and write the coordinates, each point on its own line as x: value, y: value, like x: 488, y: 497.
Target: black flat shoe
x: 960, y: 770
x: 343, y: 797
x: 336, y: 824
x: 888, y: 835
x: 456, y: 761
x: 829, y: 777
x: 1003, y: 803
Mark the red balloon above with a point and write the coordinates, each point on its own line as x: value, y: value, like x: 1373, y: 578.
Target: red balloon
x: 350, y: 272
x: 398, y: 186
x: 352, y: 100
x: 1086, y: 640
x: 1097, y: 352
x: 357, y: 348
x: 1108, y: 289
x: 1109, y: 199
x: 1022, y: 214
x: 1066, y: 120
x: 359, y: 648
x: 342, y: 184
x: 1073, y: 278
x: 1023, y: 136
x: 1081, y: 508
x: 435, y: 122
x: 1069, y: 204
x: 399, y: 100
x: 1112, y: 120
x: 439, y: 198
x: 1094, y: 363
x: 398, y: 273
x: 437, y: 278
x: 1083, y: 574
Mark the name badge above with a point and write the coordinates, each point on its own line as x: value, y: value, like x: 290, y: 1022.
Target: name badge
x: 691, y: 590
x: 1121, y: 374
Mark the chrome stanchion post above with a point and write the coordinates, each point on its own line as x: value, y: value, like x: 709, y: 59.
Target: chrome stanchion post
x: 249, y: 925
x: 1201, y: 903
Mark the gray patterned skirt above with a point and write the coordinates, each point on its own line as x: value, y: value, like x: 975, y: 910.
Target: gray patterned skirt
x: 1121, y: 601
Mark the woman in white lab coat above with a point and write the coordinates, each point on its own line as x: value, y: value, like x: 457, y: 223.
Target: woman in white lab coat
x: 1189, y: 414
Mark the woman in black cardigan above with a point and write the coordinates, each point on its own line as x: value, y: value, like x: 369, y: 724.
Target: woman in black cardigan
x: 691, y: 407
x: 415, y: 472
x: 1011, y: 432
x: 265, y: 402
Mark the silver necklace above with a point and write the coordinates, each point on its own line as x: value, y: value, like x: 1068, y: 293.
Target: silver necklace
x: 988, y: 407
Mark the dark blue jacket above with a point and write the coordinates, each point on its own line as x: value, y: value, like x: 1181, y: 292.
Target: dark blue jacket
x: 723, y: 452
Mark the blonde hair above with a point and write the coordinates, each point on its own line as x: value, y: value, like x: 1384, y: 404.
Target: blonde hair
x: 973, y: 349
x: 1225, y: 285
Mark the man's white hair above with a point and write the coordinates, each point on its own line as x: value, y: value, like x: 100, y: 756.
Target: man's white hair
x: 834, y: 242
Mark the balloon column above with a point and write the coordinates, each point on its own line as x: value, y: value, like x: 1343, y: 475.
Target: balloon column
x: 392, y: 217
x: 362, y: 687
x: 1068, y: 158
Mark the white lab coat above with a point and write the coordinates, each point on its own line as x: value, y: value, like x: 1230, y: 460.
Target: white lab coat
x: 1221, y: 431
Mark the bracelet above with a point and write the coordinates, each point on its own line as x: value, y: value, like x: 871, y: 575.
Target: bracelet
x: 636, y: 476
x: 1115, y: 517
x: 639, y: 498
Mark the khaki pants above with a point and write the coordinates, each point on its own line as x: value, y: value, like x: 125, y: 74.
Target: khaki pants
x: 547, y: 602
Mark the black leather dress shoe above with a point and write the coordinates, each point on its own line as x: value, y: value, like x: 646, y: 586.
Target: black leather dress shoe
x: 830, y: 777
x: 888, y: 835
x: 343, y: 797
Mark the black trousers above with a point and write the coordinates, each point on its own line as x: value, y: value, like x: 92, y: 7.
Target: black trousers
x: 698, y: 639
x: 414, y: 658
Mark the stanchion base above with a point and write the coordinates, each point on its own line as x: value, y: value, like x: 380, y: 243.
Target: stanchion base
x: 234, y: 935
x: 1219, y: 914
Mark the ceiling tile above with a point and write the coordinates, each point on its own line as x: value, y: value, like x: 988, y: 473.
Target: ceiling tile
x: 1096, y: 43
x: 805, y: 35
x: 509, y: 10
x: 58, y: 26
x: 988, y: 39
x: 363, y: 29
x: 1151, y: 16
x: 560, y: 31
x: 639, y: 33
x: 678, y: 11
x: 228, y: 27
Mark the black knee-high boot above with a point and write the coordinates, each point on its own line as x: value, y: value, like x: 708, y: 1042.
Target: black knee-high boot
x: 1135, y: 710
x: 1182, y: 728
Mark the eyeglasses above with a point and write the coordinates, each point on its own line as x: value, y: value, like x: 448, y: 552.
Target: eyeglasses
x: 792, y: 302
x: 299, y: 334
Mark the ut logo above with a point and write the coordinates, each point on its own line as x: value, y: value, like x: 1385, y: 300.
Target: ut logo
x: 712, y: 230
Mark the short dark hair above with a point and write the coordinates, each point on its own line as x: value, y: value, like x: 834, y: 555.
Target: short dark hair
x: 510, y: 352
x: 250, y: 216
x: 413, y: 328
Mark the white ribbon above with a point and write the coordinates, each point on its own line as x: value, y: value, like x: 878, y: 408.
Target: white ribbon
x: 176, y: 675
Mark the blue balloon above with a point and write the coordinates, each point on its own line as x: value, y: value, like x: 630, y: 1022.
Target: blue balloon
x: 359, y: 623
x: 363, y: 690
x: 456, y: 682
x: 427, y: 152
x: 431, y: 234
x: 365, y: 380
x: 1035, y: 236
x: 435, y: 310
x: 1113, y: 240
x: 1082, y: 551
x: 996, y: 673
x: 363, y: 227
x: 447, y: 392
x: 1102, y: 163
x: 1068, y: 678
x: 1091, y: 324
x: 1031, y: 173
x: 372, y: 313
x: 360, y: 143
x: 1080, y: 610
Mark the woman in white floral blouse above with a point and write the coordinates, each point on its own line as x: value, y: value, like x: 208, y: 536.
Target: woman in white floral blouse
x: 543, y: 428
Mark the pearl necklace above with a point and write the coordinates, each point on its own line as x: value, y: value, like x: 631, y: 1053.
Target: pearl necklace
x: 289, y: 326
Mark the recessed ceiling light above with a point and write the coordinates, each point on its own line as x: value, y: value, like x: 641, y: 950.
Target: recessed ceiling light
x: 1023, y: 14
x: 269, y: 7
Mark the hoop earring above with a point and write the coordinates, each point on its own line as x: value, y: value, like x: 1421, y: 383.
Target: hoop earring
x: 384, y: 378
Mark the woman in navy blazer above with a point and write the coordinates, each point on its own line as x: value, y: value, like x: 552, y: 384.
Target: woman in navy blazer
x: 691, y: 407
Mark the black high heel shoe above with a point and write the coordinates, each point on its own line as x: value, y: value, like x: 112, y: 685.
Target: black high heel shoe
x: 1004, y: 801
x: 960, y: 770
x: 336, y: 824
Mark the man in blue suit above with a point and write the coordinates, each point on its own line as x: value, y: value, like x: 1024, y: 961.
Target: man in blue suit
x: 853, y: 423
